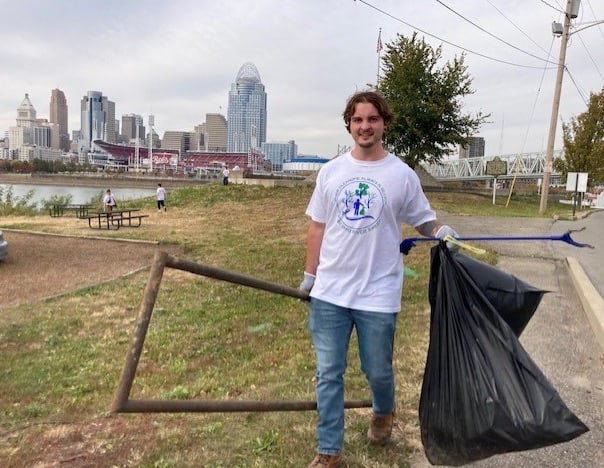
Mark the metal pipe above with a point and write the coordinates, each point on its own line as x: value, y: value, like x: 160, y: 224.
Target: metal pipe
x: 121, y: 402
x: 122, y: 392
x: 231, y: 277
x: 226, y: 406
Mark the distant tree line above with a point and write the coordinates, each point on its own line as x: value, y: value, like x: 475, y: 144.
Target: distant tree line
x: 39, y: 165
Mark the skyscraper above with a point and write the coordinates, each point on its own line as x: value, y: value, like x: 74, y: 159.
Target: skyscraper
x: 246, y: 115
x: 129, y: 124
x: 98, y: 120
x: 58, y: 116
x: 474, y: 149
x: 31, y: 138
x: 23, y: 133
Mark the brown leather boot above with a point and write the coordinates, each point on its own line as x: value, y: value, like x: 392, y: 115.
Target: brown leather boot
x: 326, y: 461
x: 381, y: 429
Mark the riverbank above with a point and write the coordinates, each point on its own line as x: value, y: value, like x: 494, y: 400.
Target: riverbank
x: 102, y: 180
x: 142, y: 181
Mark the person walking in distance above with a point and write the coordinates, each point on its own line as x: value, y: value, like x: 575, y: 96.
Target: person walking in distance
x: 109, y: 201
x: 225, y: 176
x: 161, y: 198
x: 354, y: 270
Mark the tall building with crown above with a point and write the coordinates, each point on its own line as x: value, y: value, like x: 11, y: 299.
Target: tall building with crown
x: 32, y: 137
x: 59, y: 116
x: 23, y: 133
x: 246, y: 115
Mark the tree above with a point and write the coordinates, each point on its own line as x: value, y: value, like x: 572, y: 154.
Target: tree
x: 426, y: 101
x: 583, y: 139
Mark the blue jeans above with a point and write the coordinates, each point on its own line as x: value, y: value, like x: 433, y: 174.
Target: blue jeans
x: 331, y: 327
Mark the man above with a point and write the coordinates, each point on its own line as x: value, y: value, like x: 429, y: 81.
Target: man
x: 225, y: 176
x: 109, y: 201
x: 354, y: 271
x: 161, y: 198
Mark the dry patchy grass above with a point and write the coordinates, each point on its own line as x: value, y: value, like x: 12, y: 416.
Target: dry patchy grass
x: 207, y: 340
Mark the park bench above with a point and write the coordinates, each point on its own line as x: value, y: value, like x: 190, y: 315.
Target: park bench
x: 115, y: 219
x: 80, y: 210
x: 126, y: 220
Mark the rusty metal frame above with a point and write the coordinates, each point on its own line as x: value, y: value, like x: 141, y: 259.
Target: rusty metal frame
x: 122, y: 403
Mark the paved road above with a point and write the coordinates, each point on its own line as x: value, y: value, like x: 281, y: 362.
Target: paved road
x: 592, y: 261
x: 559, y: 337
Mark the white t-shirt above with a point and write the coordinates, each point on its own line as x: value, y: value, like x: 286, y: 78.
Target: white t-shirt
x: 363, y: 205
x: 161, y: 193
x: 109, y: 200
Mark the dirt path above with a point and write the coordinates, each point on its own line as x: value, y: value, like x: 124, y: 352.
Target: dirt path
x: 45, y: 265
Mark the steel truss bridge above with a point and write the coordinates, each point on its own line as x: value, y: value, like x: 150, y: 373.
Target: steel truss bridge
x: 524, y: 166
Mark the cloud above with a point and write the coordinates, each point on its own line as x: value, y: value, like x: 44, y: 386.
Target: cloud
x: 177, y: 60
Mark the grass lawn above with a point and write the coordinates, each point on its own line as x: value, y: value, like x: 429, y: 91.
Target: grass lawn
x: 62, y: 358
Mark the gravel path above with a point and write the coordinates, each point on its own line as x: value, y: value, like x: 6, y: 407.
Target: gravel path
x: 45, y: 265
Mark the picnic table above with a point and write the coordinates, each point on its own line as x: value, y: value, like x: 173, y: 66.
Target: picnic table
x: 59, y: 209
x: 115, y: 219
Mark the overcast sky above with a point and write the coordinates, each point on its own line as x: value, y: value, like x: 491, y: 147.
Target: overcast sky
x: 177, y: 59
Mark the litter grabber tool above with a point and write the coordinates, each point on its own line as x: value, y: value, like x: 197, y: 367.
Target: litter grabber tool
x: 408, y: 243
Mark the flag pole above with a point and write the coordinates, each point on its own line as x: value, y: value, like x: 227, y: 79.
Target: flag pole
x: 379, y: 52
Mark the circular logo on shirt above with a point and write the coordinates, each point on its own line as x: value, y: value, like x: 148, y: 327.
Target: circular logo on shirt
x: 361, y: 203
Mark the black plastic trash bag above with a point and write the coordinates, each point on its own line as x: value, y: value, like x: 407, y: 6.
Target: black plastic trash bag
x: 482, y: 394
x: 515, y: 300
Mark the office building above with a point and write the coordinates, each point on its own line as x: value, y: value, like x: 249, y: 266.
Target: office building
x: 130, y: 122
x: 246, y: 115
x: 278, y: 153
x: 30, y: 130
x: 97, y: 120
x: 59, y: 116
x: 32, y: 137
x: 181, y: 141
x: 215, y: 132
x: 474, y: 148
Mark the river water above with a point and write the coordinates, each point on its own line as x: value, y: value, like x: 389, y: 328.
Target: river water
x: 80, y: 195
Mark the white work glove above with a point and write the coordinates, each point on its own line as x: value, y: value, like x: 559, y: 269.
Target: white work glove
x: 447, y: 230
x: 308, y: 282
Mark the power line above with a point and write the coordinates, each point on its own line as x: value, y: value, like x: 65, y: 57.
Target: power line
x: 518, y: 28
x: 553, y: 7
x: 590, y: 57
x: 491, y: 34
x: 594, y: 15
x: 536, y: 98
x: 581, y: 93
x: 444, y: 40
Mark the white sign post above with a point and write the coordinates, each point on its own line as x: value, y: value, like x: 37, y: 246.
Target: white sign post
x: 576, y: 182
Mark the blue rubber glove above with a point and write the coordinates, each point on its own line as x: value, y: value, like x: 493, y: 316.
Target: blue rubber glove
x: 308, y: 282
x: 447, y: 230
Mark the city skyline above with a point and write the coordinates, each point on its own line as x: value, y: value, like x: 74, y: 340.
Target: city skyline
x: 98, y: 121
x: 151, y: 59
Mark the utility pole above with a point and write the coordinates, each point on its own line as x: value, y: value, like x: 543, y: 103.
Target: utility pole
x: 549, y: 155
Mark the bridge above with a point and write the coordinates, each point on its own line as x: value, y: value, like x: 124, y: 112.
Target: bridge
x: 526, y: 167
